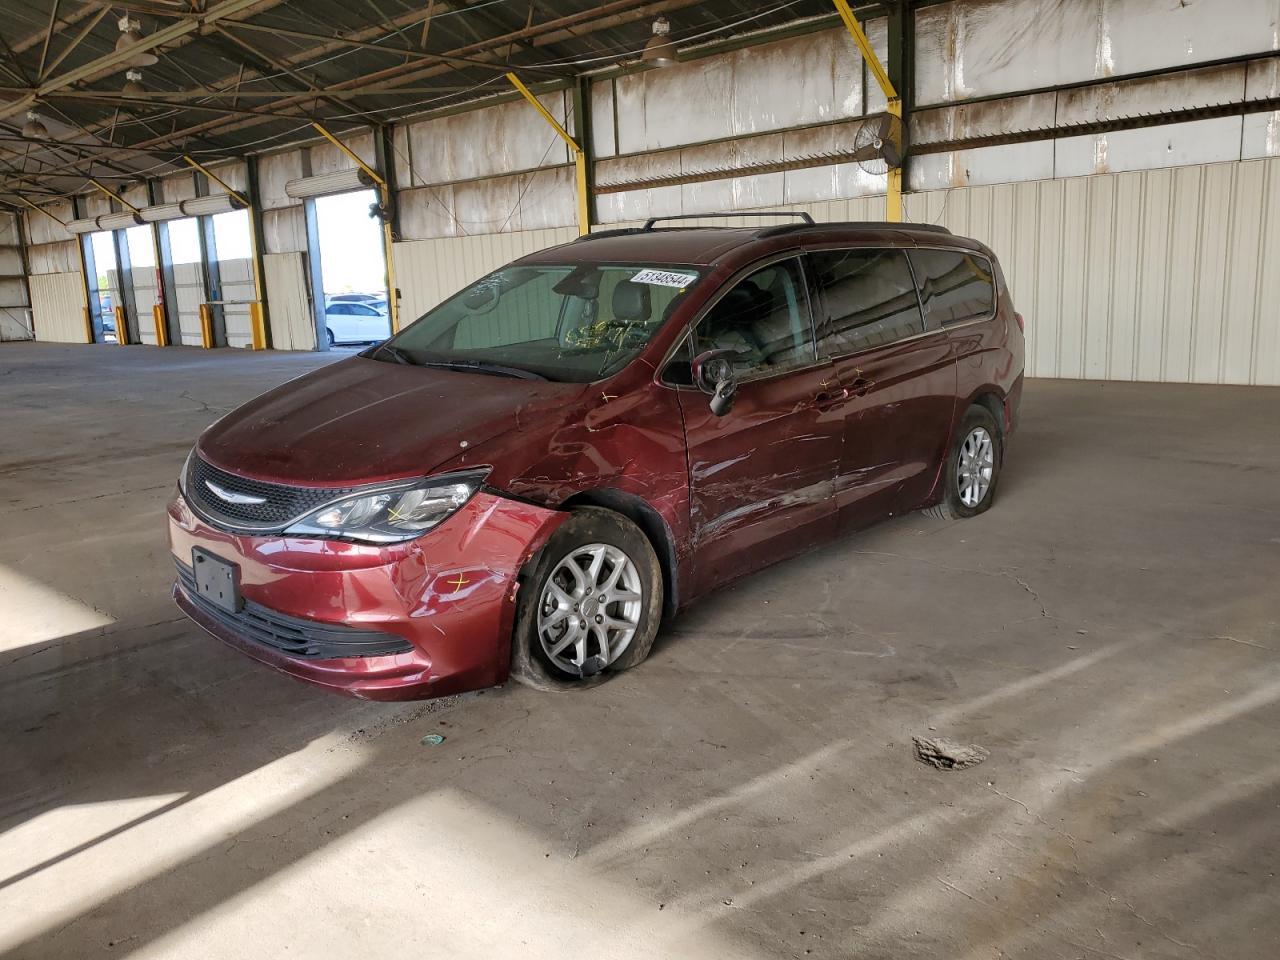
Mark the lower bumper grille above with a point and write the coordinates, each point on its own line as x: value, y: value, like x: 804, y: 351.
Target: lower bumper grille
x: 292, y: 636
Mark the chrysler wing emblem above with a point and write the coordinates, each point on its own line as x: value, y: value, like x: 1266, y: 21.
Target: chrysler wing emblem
x: 229, y: 496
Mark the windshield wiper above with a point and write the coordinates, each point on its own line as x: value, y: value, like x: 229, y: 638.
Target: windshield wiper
x: 398, y: 355
x: 483, y: 366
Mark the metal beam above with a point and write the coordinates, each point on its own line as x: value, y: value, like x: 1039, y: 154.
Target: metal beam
x: 75, y: 42
x: 23, y: 200
x: 551, y: 31
x: 48, y: 35
x: 893, y: 188
x: 121, y: 100
x: 298, y: 77
x: 195, y: 164
x: 194, y: 93
x: 190, y: 24
x: 115, y: 196
x: 579, y: 155
x: 395, y: 51
x: 351, y: 154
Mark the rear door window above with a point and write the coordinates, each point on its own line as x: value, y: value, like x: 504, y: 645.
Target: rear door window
x: 954, y: 286
x: 764, y: 319
x: 867, y: 298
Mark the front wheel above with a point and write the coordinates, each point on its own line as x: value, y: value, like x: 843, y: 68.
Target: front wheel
x: 972, y: 469
x: 592, y: 605
x: 332, y: 341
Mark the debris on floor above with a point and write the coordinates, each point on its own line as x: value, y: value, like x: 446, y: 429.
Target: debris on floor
x: 432, y: 740
x: 947, y: 754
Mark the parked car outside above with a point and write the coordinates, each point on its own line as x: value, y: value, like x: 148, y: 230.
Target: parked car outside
x: 351, y: 322
x: 532, y: 476
x: 354, y: 298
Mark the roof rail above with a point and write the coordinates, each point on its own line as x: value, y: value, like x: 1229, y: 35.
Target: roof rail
x: 849, y: 224
x: 648, y: 224
x: 596, y: 234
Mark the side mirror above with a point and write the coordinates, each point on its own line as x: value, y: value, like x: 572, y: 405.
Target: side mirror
x: 713, y: 374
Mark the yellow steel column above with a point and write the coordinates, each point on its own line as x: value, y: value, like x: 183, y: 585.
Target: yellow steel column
x: 158, y: 318
x: 206, y: 326
x: 257, y: 328
x: 579, y: 155
x: 384, y: 196
x: 893, y: 194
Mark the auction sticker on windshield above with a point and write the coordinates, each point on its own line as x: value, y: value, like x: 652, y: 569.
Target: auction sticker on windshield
x: 664, y: 278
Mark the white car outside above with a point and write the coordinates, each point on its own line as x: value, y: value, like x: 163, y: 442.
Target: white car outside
x: 349, y: 322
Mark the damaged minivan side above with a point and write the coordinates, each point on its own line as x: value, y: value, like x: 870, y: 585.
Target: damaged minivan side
x: 534, y: 475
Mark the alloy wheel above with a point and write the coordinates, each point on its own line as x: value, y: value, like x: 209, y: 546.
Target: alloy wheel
x: 975, y: 467
x: 590, y: 609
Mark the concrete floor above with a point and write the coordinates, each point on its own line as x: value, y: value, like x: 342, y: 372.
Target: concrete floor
x: 1109, y: 632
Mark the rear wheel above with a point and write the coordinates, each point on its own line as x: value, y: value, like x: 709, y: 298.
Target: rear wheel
x: 332, y: 341
x: 592, y: 605
x: 972, y: 469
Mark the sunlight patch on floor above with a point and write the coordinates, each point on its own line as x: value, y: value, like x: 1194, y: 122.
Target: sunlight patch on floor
x: 33, y: 612
x: 446, y: 876
x: 71, y: 888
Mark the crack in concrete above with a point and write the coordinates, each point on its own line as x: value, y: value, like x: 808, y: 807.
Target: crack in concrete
x: 1084, y: 878
x: 1002, y: 574
x: 97, y: 496
x: 203, y: 405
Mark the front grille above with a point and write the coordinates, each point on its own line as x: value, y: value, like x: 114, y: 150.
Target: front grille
x: 281, y: 504
x: 292, y: 636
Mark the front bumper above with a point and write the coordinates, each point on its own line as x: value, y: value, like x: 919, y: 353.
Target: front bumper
x: 449, y: 594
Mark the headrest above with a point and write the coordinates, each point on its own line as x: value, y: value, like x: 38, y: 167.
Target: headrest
x: 631, y: 302
x: 746, y: 301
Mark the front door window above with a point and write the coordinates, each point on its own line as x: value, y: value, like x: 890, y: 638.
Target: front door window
x: 764, y: 319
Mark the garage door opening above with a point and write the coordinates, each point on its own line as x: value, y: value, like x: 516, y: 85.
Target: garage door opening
x: 186, y: 280
x: 143, y: 288
x: 231, y: 286
x: 104, y: 285
x: 351, y: 285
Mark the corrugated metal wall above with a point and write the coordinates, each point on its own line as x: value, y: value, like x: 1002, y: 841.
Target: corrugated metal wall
x: 428, y: 271
x: 15, y: 315
x: 1169, y: 275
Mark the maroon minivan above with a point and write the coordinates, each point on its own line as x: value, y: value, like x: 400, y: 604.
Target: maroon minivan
x: 529, y: 478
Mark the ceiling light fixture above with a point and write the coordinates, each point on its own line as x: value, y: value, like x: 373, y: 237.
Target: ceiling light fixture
x: 659, y: 51
x: 133, y: 84
x: 33, y: 128
x: 131, y: 33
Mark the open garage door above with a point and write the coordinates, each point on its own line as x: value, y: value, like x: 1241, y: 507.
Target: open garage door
x: 348, y: 259
x: 186, y: 279
x: 103, y: 280
x: 232, y: 290
x: 143, y: 285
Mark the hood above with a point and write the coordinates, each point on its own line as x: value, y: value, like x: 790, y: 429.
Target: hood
x: 364, y: 421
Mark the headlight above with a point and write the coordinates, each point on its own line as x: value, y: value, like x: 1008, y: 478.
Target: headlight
x: 390, y: 514
x: 186, y: 469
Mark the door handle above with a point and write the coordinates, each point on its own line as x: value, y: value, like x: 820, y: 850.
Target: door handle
x: 860, y: 386
x: 829, y: 398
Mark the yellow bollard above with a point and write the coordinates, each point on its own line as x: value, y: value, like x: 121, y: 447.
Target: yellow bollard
x: 258, y: 326
x: 162, y: 331
x: 206, y: 325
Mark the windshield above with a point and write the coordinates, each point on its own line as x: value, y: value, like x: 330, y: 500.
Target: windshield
x: 575, y: 322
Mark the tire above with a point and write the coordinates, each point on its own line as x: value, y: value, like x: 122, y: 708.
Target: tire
x: 958, y: 500
x: 544, y: 617
x: 332, y: 342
